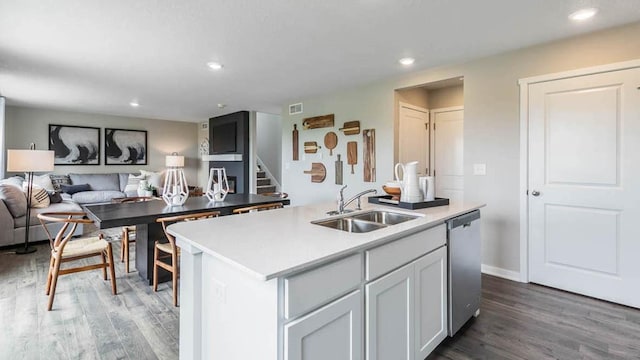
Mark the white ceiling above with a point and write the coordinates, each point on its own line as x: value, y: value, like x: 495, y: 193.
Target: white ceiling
x: 97, y: 56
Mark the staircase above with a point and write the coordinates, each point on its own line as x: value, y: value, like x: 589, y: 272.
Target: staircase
x: 264, y: 183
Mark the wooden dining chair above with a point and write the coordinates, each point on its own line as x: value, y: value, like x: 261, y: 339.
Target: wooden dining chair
x: 170, y: 250
x: 64, y: 249
x: 129, y: 232
x: 280, y: 195
x: 269, y: 206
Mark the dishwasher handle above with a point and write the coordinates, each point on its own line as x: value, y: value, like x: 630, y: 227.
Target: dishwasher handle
x: 464, y: 220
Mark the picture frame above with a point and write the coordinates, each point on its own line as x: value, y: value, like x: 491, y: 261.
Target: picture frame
x: 74, y: 145
x: 125, y: 147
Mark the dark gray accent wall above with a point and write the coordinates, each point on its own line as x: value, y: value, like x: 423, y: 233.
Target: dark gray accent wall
x: 229, y: 134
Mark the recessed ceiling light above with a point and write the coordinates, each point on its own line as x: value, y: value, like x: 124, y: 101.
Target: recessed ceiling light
x: 407, y: 61
x: 214, y: 65
x: 134, y: 104
x: 583, y: 14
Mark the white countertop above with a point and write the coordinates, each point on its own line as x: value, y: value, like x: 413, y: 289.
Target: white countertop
x: 274, y: 243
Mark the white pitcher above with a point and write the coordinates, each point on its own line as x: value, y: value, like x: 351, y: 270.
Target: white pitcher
x: 410, y: 187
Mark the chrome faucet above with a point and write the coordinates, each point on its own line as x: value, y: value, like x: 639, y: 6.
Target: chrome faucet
x: 343, y: 204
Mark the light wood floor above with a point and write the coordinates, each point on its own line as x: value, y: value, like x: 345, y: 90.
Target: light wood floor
x: 86, y: 322
x: 517, y: 321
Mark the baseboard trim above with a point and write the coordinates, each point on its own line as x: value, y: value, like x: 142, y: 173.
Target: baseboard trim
x: 500, y: 272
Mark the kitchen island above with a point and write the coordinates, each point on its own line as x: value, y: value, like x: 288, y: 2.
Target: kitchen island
x: 274, y: 285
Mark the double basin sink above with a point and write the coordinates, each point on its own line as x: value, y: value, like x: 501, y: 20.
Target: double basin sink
x: 365, y: 222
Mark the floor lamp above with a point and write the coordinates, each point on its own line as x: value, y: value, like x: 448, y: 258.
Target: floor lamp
x: 29, y: 161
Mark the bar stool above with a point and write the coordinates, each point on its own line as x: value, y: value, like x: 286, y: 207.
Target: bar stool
x: 63, y: 249
x: 170, y: 250
x: 262, y: 207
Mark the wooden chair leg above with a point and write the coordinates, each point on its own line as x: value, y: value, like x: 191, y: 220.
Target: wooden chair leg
x: 126, y: 254
x: 125, y: 235
x: 155, y: 267
x: 49, y: 275
x: 112, y: 270
x: 104, y: 269
x: 54, y: 281
x: 174, y: 277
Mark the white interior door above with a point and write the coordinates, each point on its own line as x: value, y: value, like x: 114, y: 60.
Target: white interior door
x: 448, y: 152
x: 584, y: 185
x: 413, y: 132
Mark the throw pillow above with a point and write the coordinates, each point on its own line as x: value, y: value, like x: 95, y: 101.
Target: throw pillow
x: 44, y: 181
x: 72, y: 189
x: 55, y: 197
x: 14, y: 180
x: 133, y: 182
x: 57, y: 180
x: 14, y: 199
x: 39, y: 196
x: 156, y: 179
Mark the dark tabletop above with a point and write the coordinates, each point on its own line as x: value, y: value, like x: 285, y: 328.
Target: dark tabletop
x: 112, y: 215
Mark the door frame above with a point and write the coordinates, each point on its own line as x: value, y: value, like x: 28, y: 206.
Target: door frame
x: 432, y: 134
x: 524, y: 144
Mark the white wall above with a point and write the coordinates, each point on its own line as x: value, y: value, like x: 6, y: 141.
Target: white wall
x: 269, y: 142
x: 25, y: 125
x: 491, y: 132
x: 369, y: 105
x: 446, y: 97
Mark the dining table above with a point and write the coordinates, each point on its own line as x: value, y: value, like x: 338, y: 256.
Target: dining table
x: 144, y: 216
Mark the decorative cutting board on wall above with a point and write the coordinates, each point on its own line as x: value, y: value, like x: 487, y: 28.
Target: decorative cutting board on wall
x: 318, y: 122
x: 311, y: 147
x: 352, y: 154
x: 338, y: 170
x: 294, y: 139
x: 369, y: 154
x: 318, y: 172
x: 351, y: 128
x: 330, y: 141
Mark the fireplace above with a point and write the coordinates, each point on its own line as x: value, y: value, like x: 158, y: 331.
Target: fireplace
x: 232, y: 184
x: 229, y: 149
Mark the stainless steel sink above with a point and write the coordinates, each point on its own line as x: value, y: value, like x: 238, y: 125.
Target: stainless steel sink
x: 365, y: 222
x: 384, y: 217
x: 349, y: 224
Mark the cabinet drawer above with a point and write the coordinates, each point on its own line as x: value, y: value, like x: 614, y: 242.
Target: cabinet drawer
x: 385, y: 258
x: 310, y: 289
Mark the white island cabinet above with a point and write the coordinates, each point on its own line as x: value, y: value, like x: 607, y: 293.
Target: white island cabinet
x: 274, y: 286
x: 407, y: 308
x: 332, y: 332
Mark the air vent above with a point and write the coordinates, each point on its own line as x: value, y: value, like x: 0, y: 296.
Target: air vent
x: 295, y: 109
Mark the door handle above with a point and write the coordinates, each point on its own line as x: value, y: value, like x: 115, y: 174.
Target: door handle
x: 535, y: 193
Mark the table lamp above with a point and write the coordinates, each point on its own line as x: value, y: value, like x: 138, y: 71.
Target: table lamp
x: 29, y: 161
x: 217, y: 186
x: 175, y: 191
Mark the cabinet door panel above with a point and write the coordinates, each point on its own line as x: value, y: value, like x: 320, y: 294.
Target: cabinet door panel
x: 331, y: 332
x: 430, y: 301
x: 390, y: 316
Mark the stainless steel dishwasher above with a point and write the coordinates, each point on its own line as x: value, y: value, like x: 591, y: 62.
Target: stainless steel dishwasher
x: 463, y: 240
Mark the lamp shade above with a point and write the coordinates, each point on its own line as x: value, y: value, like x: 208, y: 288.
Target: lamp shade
x: 174, y: 161
x: 29, y: 160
